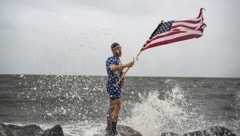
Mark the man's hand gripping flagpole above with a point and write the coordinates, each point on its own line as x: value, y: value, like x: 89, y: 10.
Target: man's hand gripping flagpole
x: 123, y: 75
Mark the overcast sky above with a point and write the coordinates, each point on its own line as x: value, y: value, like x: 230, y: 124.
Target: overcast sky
x: 74, y: 37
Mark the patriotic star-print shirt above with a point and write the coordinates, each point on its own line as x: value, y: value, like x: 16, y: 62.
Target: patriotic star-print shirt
x: 113, y: 76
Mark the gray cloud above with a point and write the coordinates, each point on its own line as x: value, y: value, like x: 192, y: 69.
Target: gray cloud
x: 73, y: 37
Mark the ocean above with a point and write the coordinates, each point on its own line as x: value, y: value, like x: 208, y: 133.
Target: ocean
x: 150, y: 105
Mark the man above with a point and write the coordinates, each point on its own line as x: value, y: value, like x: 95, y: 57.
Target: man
x: 114, y: 70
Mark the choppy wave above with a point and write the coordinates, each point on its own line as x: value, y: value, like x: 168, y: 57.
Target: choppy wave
x: 150, y: 105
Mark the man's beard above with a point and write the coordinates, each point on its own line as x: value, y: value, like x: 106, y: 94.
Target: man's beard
x: 118, y: 53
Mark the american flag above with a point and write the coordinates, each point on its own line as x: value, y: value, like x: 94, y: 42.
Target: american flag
x: 174, y: 31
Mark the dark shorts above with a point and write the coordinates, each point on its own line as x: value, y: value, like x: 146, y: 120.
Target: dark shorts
x: 114, y: 92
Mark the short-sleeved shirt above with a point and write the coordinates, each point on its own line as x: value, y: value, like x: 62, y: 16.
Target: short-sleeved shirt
x: 113, y: 90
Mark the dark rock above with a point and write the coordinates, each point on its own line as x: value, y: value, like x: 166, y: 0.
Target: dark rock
x: 169, y: 134
x: 14, y: 130
x: 55, y: 131
x: 127, y: 131
x: 29, y: 130
x: 212, y: 131
x: 4, y: 132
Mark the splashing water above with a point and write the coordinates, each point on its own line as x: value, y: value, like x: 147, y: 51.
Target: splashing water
x: 151, y: 115
x: 84, y: 129
x: 154, y: 116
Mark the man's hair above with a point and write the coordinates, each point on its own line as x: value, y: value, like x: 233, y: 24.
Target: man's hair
x: 114, y: 45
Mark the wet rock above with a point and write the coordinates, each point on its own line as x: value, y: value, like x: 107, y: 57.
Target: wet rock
x: 169, y: 134
x: 14, y: 130
x: 127, y: 131
x: 29, y: 130
x: 55, y: 131
x: 3, y: 131
x: 212, y: 131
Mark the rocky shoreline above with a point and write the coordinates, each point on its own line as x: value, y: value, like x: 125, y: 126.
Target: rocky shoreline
x: 35, y: 130
x: 211, y: 131
x: 29, y: 130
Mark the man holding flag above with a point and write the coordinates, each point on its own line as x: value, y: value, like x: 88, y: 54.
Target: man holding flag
x: 165, y: 33
x: 114, y: 69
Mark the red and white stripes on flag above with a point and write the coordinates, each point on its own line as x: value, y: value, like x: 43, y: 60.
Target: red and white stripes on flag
x: 174, y: 31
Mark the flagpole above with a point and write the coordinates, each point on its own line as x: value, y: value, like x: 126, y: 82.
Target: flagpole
x: 123, y: 75
x: 155, y: 32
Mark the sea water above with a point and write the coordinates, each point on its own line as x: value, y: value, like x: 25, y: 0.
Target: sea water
x: 150, y: 105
